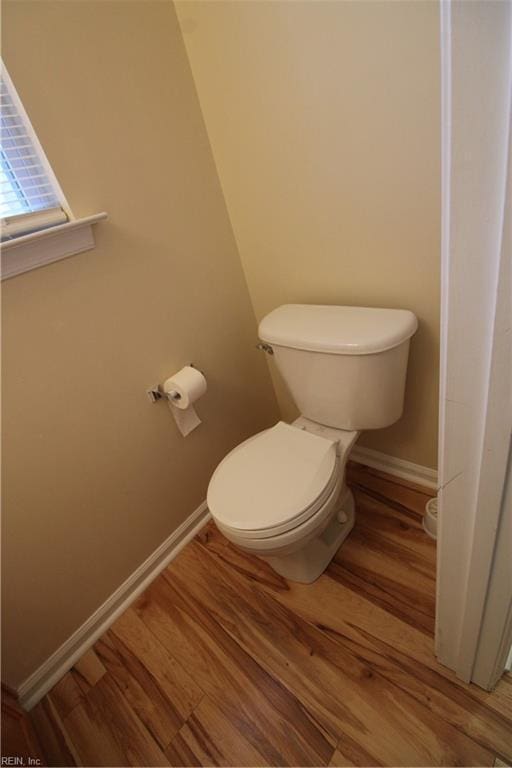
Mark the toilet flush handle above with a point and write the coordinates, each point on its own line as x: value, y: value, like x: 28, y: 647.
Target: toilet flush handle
x: 266, y: 348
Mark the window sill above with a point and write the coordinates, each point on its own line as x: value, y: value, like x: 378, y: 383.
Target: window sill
x: 48, y: 245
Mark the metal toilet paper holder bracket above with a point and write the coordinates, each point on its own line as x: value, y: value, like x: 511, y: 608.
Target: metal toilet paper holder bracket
x: 156, y: 393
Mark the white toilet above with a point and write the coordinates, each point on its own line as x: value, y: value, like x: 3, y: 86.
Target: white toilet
x: 281, y: 494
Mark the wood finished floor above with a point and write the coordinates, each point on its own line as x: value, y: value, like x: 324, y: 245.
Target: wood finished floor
x: 223, y: 662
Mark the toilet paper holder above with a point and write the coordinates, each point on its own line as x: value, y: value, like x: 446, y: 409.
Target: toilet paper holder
x: 157, y: 392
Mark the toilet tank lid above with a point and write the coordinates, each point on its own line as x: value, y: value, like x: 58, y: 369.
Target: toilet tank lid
x: 337, y: 330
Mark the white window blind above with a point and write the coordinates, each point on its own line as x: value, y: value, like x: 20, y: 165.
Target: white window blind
x: 30, y: 197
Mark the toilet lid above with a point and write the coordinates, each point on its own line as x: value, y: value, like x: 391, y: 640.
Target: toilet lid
x: 271, y: 479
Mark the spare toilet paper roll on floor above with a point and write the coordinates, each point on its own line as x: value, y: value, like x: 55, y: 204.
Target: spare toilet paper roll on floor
x: 186, y: 387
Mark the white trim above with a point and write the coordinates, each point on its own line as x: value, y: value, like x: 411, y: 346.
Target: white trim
x: 508, y: 663
x: 494, y: 647
x: 48, y: 245
x: 473, y: 585
x: 496, y: 412
x: 45, y: 677
x: 414, y: 473
x: 446, y: 158
x: 445, y: 30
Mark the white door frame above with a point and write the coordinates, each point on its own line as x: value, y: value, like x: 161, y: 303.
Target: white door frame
x: 493, y: 654
x: 474, y: 598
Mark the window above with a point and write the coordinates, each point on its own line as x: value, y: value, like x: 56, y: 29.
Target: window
x: 30, y: 197
x: 37, y: 226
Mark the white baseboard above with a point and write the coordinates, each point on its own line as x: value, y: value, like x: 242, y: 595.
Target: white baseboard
x: 60, y: 662
x: 415, y: 473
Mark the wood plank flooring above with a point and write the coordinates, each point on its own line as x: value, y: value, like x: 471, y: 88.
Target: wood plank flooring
x: 223, y: 662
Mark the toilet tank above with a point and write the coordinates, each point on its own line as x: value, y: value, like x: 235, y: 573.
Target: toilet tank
x: 344, y: 366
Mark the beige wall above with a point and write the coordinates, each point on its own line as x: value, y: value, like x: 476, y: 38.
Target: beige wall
x: 95, y: 477
x: 324, y: 122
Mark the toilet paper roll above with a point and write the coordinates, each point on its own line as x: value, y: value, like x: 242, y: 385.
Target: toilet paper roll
x: 183, y: 389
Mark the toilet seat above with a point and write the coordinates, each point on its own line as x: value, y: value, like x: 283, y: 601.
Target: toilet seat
x: 273, y: 482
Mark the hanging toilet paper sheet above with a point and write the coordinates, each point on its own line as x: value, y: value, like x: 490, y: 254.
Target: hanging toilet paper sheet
x: 182, y: 390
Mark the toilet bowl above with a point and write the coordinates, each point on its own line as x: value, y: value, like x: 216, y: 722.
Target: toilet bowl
x: 281, y: 494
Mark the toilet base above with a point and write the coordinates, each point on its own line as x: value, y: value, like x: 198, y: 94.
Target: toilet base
x: 309, y: 562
